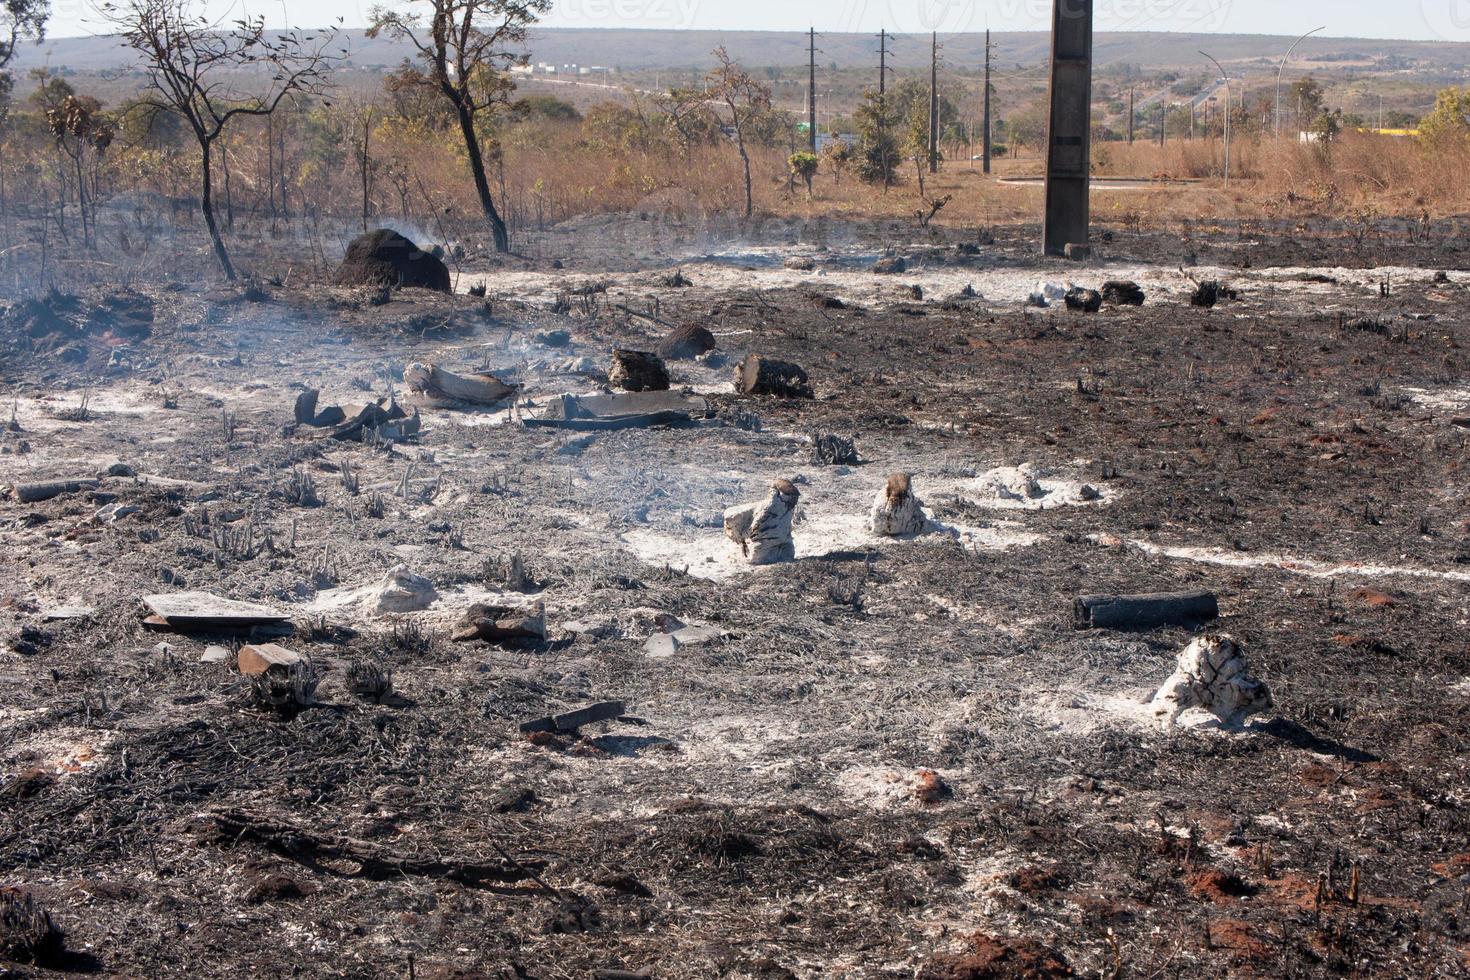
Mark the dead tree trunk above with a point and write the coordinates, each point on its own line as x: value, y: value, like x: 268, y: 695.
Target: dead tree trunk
x: 482, y: 181
x: 206, y: 205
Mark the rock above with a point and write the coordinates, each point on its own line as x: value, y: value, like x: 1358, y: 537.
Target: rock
x: 896, y: 511
x: 687, y: 343
x: 403, y: 591
x: 215, y: 655
x: 763, y: 530
x: 667, y: 644
x: 113, y: 513
x: 266, y: 658
x: 890, y: 266
x: 799, y: 263
x: 304, y: 410
x: 634, y: 370
x: 552, y: 338
x: 501, y: 624
x: 386, y: 258
x: 758, y: 375
x: 1122, y: 292
x: 1084, y: 300
x: 119, y: 470
x: 61, y: 614
x: 198, y: 611
x: 1212, y: 674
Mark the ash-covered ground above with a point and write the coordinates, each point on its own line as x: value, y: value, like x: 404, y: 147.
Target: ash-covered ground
x: 889, y: 758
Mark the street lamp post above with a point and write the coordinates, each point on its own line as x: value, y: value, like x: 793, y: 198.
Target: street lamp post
x: 1282, y: 71
x: 1226, y: 76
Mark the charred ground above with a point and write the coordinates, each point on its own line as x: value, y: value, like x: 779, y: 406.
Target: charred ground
x: 765, y: 809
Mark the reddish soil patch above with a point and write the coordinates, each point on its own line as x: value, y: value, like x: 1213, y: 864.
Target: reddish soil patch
x: 994, y: 958
x: 1319, y: 776
x: 1034, y: 879
x: 1238, y: 938
x: 929, y: 789
x: 1374, y: 598
x: 1214, y: 885
x: 1454, y: 867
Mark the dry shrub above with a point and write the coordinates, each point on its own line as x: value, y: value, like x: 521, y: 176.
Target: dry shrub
x: 1392, y: 175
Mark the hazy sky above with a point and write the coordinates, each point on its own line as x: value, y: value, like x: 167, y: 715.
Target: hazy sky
x: 1421, y: 19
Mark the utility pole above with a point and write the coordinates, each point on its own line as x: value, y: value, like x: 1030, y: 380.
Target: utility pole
x: 1131, y: 93
x: 811, y: 101
x: 934, y: 104
x: 1069, y: 133
x: 1163, y: 120
x: 985, y: 152
x: 882, y: 62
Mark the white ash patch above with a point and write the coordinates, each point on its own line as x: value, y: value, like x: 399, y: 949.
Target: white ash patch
x: 1306, y: 567
x: 1076, y: 711
x: 1029, y: 487
x: 62, y: 751
x: 883, y: 787
x: 713, y: 557
x: 742, y: 739
x: 1440, y: 399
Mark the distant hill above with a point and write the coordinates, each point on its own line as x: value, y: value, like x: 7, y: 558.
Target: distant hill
x: 659, y: 49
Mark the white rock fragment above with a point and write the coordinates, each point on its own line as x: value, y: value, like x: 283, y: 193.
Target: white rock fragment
x: 113, y: 513
x: 763, y: 530
x: 896, y: 511
x: 1212, y: 674
x: 667, y: 644
x: 403, y: 591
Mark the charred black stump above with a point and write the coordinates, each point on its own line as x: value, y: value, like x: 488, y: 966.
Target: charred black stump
x: 386, y: 258
x: 635, y: 370
x: 687, y: 343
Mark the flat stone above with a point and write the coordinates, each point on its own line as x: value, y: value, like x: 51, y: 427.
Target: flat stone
x: 260, y: 658
x: 69, y: 612
x: 661, y: 645
x: 183, y: 610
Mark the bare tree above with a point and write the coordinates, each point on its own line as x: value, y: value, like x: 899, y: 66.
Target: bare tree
x: 360, y: 117
x: 468, y: 48
x: 82, y: 134
x: 210, y: 74
x: 21, y: 19
x: 747, y: 100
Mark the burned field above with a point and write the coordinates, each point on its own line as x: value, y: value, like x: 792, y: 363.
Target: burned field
x: 889, y: 757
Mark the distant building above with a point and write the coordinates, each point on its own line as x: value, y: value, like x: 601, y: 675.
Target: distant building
x: 825, y: 140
